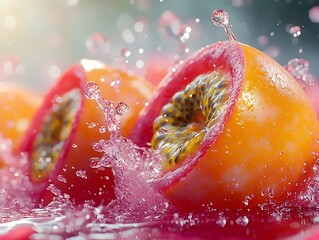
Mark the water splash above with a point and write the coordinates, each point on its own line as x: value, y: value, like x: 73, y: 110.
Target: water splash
x: 299, y: 68
x: 221, y: 19
x: 132, y: 166
x: 111, y: 111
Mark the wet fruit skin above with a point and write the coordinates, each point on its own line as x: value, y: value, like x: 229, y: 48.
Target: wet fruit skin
x: 260, y: 151
x: 18, y: 104
x: 98, y: 184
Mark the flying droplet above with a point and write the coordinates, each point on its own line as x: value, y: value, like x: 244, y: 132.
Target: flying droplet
x: 91, y: 90
x: 299, y: 68
x: 81, y: 174
x: 221, y: 19
x: 242, y: 221
x: 295, y: 31
x: 121, y: 108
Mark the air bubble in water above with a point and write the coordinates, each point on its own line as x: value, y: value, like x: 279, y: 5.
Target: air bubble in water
x: 221, y: 19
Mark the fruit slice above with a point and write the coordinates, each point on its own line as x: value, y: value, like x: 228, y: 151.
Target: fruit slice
x: 235, y: 130
x: 59, y: 142
x: 18, y: 105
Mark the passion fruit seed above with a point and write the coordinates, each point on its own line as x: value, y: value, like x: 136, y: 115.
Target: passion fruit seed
x: 184, y: 121
x: 55, y: 130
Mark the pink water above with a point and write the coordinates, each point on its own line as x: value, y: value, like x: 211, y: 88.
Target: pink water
x: 139, y: 211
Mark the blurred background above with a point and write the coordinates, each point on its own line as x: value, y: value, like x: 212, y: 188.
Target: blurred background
x: 41, y: 38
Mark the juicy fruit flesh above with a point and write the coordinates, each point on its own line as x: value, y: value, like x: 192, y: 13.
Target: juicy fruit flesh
x: 55, y: 130
x: 184, y: 121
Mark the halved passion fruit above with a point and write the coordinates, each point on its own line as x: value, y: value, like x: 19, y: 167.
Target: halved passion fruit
x: 59, y: 142
x: 235, y: 130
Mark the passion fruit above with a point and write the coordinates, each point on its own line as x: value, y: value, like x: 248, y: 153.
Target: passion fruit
x: 235, y: 130
x: 59, y: 143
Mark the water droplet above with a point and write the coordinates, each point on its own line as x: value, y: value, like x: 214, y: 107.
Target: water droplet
x: 295, y: 31
x: 91, y: 90
x: 74, y: 145
x: 102, y: 129
x: 184, y: 33
x: 92, y: 125
x: 113, y: 125
x: 115, y: 84
x: 221, y: 19
x: 221, y: 221
x: 299, y: 68
x: 121, y: 108
x: 95, y: 162
x: 99, y: 146
x: 52, y: 188
x: 242, y: 221
x: 314, y: 14
x: 81, y: 174
x: 61, y: 178
x: 270, y: 192
x: 97, y: 44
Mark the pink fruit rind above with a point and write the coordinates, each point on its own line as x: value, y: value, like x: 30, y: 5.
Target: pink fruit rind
x: 74, y: 77
x: 227, y: 57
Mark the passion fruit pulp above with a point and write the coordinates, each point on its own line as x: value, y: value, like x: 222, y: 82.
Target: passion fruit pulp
x: 260, y: 146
